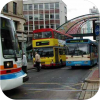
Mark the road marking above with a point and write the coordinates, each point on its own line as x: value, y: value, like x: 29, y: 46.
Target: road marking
x: 58, y: 90
x: 70, y: 87
x: 44, y: 83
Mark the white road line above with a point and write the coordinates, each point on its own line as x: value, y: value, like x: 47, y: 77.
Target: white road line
x: 58, y: 90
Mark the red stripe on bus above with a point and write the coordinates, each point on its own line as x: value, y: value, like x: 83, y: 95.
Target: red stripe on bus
x: 9, y: 71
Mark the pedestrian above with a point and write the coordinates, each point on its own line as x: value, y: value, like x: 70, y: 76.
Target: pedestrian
x: 37, y: 61
x: 24, y: 63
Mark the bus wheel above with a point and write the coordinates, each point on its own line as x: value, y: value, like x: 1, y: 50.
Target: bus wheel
x: 73, y: 67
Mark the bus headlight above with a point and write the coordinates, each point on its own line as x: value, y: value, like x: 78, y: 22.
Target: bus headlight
x: 8, y: 64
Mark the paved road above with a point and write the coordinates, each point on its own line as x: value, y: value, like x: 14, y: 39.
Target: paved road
x: 52, y: 83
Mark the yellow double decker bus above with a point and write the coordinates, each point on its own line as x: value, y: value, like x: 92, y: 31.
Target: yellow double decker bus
x: 50, y: 44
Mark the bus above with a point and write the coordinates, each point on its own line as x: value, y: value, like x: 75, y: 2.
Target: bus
x: 81, y: 52
x: 11, y: 74
x: 50, y: 44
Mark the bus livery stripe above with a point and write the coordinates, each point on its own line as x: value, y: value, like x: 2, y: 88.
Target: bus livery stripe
x: 2, y: 67
x: 12, y: 76
x: 10, y: 71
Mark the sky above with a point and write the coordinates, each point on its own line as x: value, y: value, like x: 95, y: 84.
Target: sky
x: 77, y: 8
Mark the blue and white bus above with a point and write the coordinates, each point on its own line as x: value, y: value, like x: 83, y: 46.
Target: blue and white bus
x: 81, y: 52
x: 11, y: 74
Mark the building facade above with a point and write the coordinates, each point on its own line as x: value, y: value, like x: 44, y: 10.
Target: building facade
x: 14, y: 10
x: 44, y: 14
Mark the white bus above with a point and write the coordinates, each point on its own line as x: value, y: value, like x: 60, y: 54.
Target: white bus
x: 11, y: 74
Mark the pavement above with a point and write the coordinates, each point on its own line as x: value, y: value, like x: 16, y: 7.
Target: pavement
x: 91, y: 85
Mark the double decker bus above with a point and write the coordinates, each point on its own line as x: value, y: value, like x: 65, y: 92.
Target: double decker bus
x: 81, y: 52
x: 11, y: 74
x: 50, y: 44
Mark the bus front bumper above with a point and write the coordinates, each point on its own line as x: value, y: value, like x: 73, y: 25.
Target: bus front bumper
x: 78, y: 63
x: 11, y: 81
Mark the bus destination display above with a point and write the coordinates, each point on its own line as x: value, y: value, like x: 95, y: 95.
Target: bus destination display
x: 42, y: 43
x: 76, y: 41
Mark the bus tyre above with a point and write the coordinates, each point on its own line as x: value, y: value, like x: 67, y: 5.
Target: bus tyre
x: 72, y: 67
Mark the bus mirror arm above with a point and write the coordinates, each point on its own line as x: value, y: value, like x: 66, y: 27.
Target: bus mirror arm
x: 15, y: 57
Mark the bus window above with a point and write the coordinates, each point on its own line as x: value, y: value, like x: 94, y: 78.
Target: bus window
x: 46, y: 34
x: 42, y: 35
x: 83, y: 49
x: 63, y: 37
x: 55, y: 35
x: 59, y: 36
x: 60, y: 51
x: 44, y: 52
x: 64, y: 51
x: 36, y: 35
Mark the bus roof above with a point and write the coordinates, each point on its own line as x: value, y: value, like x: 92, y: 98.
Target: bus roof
x: 80, y: 41
x: 50, y: 29
x: 1, y: 15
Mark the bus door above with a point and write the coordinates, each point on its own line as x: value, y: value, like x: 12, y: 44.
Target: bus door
x: 56, y: 55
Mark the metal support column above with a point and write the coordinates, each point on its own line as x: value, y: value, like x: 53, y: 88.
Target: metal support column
x: 99, y: 56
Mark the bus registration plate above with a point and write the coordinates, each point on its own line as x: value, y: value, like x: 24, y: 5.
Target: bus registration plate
x: 77, y: 64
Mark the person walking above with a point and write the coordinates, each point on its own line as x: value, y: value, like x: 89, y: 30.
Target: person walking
x: 37, y: 61
x: 24, y: 63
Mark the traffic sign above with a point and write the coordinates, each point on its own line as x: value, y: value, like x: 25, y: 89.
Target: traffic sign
x: 97, y: 29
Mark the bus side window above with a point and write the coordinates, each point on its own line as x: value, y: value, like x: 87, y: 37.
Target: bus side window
x: 59, y: 36
x: 63, y: 37
x: 64, y: 51
x: 55, y: 35
x: 60, y: 51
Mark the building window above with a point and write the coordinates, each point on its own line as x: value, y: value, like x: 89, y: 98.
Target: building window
x: 57, y: 5
x: 26, y: 28
x: 41, y: 26
x: 41, y: 17
x: 5, y: 8
x: 14, y: 8
x: 56, y: 16
x: 65, y: 10
x: 51, y: 16
x: 46, y: 6
x: 36, y: 26
x: 57, y: 25
x: 15, y: 23
x: 52, y: 26
x: 46, y: 16
x: 30, y: 7
x: 40, y: 6
x: 35, y: 6
x: 51, y: 5
x: 30, y: 17
x: 65, y: 19
x: 36, y: 17
x: 26, y: 17
x: 47, y: 26
x: 25, y: 7
x: 30, y: 27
